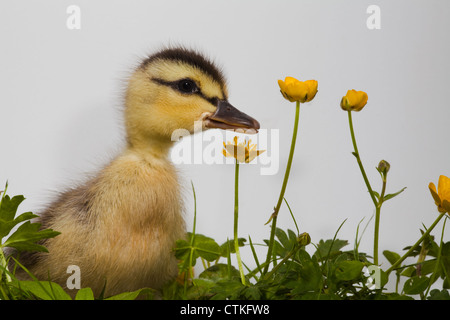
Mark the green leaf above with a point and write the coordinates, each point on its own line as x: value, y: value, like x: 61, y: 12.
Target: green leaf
x: 200, y: 289
x: 428, y: 267
x: 8, y: 207
x: 446, y: 249
x: 396, y: 296
x: 284, y: 239
x: 227, y: 289
x: 182, y: 249
x: 392, y: 195
x: 24, y: 238
x: 85, y: 294
x: 348, y: 270
x: 202, y: 246
x: 384, y: 277
x: 391, y: 256
x: 128, y: 295
x: 310, y: 275
x: 329, y: 246
x: 7, y: 226
x: 292, y: 235
x: 409, y: 272
x: 44, y: 290
x: 446, y: 284
x: 26, y: 235
x: 230, y: 244
x: 206, y: 247
x: 252, y: 293
x: 416, y: 285
x: 203, y: 282
x: 319, y: 296
x: 278, y: 249
x: 219, y: 272
x: 285, y: 243
x: 435, y: 294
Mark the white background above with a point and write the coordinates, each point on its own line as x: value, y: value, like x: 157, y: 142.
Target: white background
x: 61, y: 98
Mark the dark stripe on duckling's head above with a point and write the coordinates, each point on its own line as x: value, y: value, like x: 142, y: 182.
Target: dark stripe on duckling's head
x: 189, y: 57
x: 187, y: 86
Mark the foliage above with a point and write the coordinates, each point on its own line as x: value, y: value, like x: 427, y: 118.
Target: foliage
x: 328, y: 272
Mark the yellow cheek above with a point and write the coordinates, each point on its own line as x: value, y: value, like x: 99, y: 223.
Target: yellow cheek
x: 181, y: 113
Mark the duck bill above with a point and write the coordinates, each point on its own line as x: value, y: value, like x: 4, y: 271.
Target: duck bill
x: 228, y: 117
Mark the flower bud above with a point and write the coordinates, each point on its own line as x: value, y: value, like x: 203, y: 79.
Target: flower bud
x: 383, y: 167
x: 354, y: 100
x: 304, y: 239
x: 295, y: 90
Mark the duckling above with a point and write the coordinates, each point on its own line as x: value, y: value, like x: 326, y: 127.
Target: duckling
x: 121, y: 226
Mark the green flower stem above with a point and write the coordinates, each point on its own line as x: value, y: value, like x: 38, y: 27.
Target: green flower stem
x: 4, y: 268
x: 438, y: 260
x: 3, y: 264
x: 358, y: 159
x: 286, y: 258
x: 190, y: 271
x: 426, y: 233
x: 236, y: 214
x: 376, y: 203
x: 283, y: 188
x: 377, y: 223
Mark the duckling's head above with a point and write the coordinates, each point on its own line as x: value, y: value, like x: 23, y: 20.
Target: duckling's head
x: 174, y: 88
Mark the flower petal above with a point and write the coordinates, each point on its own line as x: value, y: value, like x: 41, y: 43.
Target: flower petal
x: 225, y: 153
x: 240, y: 154
x: 291, y: 81
x: 362, y: 100
x: 354, y: 100
x: 444, y: 188
x: 295, y: 90
x: 434, y: 193
x: 312, y: 89
x: 250, y: 156
x: 446, y: 206
x: 282, y: 85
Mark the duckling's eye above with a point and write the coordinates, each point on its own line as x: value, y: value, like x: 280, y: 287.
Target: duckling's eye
x: 187, y: 86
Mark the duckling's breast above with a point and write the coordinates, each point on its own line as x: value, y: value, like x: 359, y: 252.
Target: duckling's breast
x: 138, y: 217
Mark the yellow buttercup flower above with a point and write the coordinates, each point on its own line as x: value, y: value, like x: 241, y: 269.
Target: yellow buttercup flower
x: 442, y: 195
x: 240, y: 151
x: 295, y: 90
x: 354, y: 100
